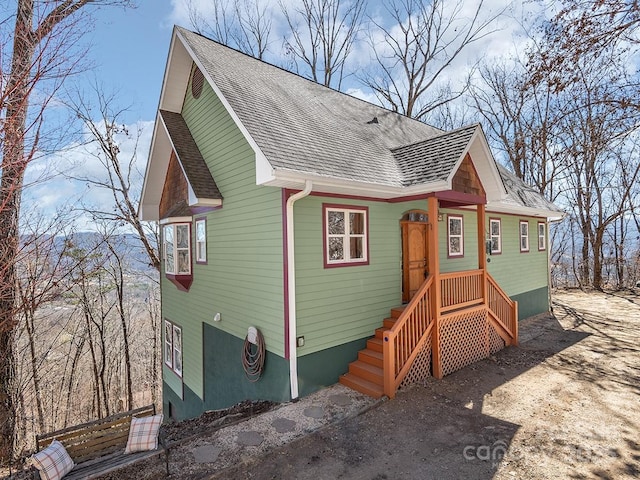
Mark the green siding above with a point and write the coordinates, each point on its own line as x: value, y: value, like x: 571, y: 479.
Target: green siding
x: 532, y: 302
x: 469, y: 261
x: 225, y: 380
x: 344, y: 304
x: 514, y: 271
x: 340, y: 305
x: 243, y: 277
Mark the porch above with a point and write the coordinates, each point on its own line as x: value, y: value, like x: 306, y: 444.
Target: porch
x: 452, y: 320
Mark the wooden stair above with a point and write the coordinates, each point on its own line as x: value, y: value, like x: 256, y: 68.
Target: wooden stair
x: 365, y: 374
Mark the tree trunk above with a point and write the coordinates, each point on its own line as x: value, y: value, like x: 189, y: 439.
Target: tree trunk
x: 13, y: 167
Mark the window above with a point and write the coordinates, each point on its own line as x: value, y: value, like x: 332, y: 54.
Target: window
x: 168, y: 344
x: 542, y: 236
x: 177, y: 249
x: 201, y: 241
x: 345, y: 235
x: 495, y: 234
x: 455, y: 236
x: 173, y: 347
x: 524, y: 236
x: 177, y: 350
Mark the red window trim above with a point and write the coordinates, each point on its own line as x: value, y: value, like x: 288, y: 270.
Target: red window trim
x: 500, y: 221
x: 327, y: 206
x: 461, y: 217
x: 520, y: 236
x: 538, y: 236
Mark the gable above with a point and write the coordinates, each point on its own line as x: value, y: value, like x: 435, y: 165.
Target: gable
x: 175, y: 191
x: 466, y: 179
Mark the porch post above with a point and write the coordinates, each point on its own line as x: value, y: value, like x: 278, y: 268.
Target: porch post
x: 482, y: 265
x: 434, y: 269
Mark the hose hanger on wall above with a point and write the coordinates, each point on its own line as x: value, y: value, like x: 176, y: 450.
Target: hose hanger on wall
x: 253, y: 354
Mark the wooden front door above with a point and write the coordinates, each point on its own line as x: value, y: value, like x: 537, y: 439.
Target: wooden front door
x: 414, y: 257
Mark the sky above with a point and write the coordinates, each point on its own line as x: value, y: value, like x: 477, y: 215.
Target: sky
x: 128, y: 51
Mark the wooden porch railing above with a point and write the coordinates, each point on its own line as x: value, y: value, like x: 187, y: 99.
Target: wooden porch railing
x: 414, y: 327
x: 461, y: 290
x: 503, y: 311
x: 404, y: 340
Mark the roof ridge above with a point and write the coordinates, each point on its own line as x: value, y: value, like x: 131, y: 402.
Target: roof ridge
x: 436, y: 137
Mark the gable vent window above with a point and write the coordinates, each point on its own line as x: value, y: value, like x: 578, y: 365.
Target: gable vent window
x: 197, y: 82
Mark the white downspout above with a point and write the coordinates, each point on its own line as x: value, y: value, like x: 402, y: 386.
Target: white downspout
x: 291, y: 275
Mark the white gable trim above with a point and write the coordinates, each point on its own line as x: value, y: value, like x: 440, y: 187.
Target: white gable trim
x: 264, y: 170
x: 485, y: 165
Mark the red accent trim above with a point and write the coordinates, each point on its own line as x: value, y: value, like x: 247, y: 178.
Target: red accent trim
x: 409, y: 198
x: 326, y: 206
x: 195, y: 241
x: 545, y: 236
x: 499, y: 220
x: 204, y: 209
x: 285, y: 256
x: 461, y: 217
x: 520, y: 236
x: 183, y: 282
x: 459, y: 198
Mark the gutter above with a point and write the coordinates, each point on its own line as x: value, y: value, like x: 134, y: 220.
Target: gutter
x: 291, y: 274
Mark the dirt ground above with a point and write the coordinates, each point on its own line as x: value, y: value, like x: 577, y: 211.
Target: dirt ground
x: 564, y: 404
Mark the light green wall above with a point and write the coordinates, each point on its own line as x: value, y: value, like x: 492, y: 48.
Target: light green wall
x: 340, y: 305
x: 343, y: 304
x: 514, y: 271
x: 243, y: 279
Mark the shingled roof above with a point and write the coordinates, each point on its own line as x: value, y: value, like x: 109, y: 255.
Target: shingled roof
x: 302, y: 126
x: 301, y: 130
x: 433, y: 159
x: 194, y: 167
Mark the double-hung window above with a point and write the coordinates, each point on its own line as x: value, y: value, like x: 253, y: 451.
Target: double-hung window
x: 173, y: 347
x: 177, y: 249
x: 524, y: 236
x: 201, y: 241
x: 455, y: 236
x: 346, y: 232
x: 495, y: 234
x: 542, y: 236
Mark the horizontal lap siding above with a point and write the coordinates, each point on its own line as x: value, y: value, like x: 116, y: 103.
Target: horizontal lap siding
x: 514, y: 271
x: 243, y: 277
x: 343, y: 304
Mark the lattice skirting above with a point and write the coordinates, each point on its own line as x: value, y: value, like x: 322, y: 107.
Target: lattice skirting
x: 465, y: 338
x: 421, y: 368
x: 496, y: 342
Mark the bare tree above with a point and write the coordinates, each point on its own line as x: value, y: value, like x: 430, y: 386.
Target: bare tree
x: 322, y: 36
x: 583, y: 28
x: 413, y: 55
x: 42, y: 40
x: 118, y: 176
x: 241, y: 24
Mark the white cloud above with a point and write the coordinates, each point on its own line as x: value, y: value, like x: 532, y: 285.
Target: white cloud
x: 50, y: 188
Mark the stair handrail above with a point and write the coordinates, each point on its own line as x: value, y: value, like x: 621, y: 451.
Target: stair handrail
x: 393, y: 355
x: 510, y: 324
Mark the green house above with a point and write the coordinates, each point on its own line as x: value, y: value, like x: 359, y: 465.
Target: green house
x: 310, y: 237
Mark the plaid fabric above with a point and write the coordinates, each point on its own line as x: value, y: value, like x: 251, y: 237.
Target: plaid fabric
x: 143, y: 434
x: 53, y: 462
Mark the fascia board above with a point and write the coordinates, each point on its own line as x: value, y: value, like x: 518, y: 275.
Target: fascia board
x: 499, y: 207
x: 155, y: 173
x: 289, y: 179
x: 264, y: 170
